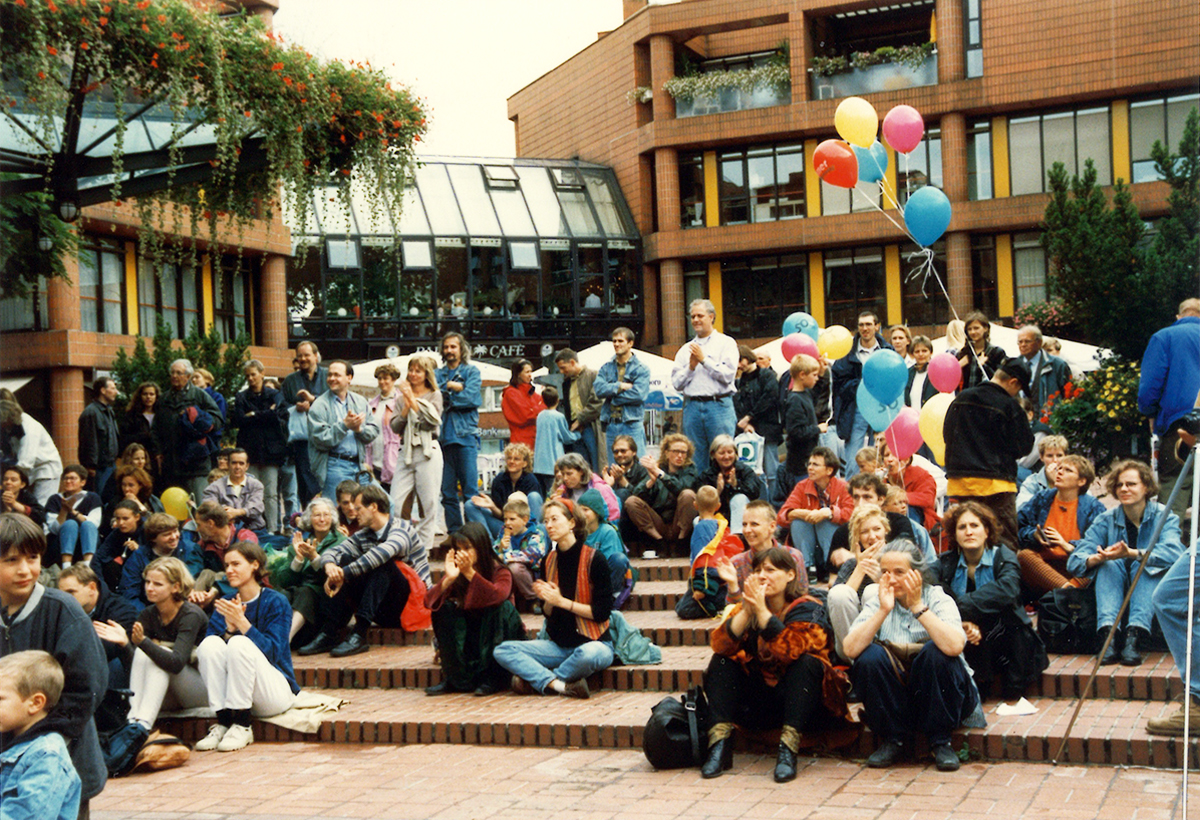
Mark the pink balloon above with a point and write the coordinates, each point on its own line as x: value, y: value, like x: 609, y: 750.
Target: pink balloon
x: 797, y: 343
x: 945, y: 372
x: 903, y: 128
x: 903, y: 435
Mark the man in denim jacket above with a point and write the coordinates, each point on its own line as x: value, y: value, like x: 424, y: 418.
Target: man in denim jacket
x: 624, y: 383
x: 462, y: 394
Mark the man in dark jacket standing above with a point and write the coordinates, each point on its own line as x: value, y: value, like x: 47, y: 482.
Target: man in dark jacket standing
x: 186, y: 430
x: 852, y: 427
x: 300, y: 390
x: 98, y: 434
x: 986, y: 431
x: 756, y: 403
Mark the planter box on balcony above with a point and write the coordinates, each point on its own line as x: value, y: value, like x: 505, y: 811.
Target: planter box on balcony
x: 883, y: 77
x: 731, y: 99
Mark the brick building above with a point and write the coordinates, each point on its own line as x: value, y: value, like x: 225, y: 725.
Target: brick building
x: 54, y: 343
x: 722, y: 186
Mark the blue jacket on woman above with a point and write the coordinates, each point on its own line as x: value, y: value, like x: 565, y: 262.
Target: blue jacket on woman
x: 1109, y: 528
x: 270, y: 616
x: 1034, y: 513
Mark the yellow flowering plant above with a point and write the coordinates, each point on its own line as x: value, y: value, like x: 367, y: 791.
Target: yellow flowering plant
x: 1098, y: 413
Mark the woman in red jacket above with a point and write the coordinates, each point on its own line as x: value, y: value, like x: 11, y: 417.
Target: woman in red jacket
x: 521, y: 404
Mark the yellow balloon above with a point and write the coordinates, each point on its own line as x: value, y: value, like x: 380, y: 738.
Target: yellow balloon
x: 175, y: 502
x: 834, y: 342
x: 933, y: 416
x: 856, y: 121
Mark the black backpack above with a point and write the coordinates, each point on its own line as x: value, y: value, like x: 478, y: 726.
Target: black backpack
x: 676, y: 736
x: 1066, y: 621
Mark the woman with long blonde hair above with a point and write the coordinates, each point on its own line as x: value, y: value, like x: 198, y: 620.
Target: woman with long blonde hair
x: 416, y: 419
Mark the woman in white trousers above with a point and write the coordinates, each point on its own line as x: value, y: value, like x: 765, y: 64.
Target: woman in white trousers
x: 417, y: 417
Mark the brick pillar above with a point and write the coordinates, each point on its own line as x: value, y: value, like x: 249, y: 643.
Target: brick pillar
x: 666, y: 171
x: 66, y: 404
x: 662, y: 68
x: 952, y: 61
x: 958, y: 271
x: 274, y: 326
x: 670, y: 303
x: 62, y: 297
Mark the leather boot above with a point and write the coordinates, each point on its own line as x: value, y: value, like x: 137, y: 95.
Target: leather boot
x: 720, y: 758
x: 1113, y: 654
x: 1131, y: 655
x: 785, y: 764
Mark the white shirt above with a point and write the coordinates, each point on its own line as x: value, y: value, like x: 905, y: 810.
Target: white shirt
x: 712, y: 377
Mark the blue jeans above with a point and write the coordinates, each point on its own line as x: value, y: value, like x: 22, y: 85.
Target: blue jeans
x: 1171, y: 607
x: 705, y: 420
x: 103, y: 474
x: 71, y: 534
x: 306, y: 482
x: 1112, y: 580
x: 858, y: 435
x: 771, y: 466
x: 336, y: 472
x: 291, y: 494
x: 495, y: 526
x: 807, y: 537
x: 461, y: 469
x: 540, y: 662
x: 633, y: 429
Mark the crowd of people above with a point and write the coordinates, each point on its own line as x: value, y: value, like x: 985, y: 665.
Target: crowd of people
x: 828, y: 551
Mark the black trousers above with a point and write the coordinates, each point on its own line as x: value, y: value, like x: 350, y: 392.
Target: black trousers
x: 735, y: 696
x: 375, y: 598
x: 933, y: 697
x: 306, y: 482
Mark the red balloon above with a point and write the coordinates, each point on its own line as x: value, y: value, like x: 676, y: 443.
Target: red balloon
x: 835, y: 163
x: 945, y: 372
x: 797, y: 343
x: 903, y: 435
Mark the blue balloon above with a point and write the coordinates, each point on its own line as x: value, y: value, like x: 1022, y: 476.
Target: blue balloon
x: 927, y: 215
x: 872, y: 162
x: 801, y: 322
x: 878, y: 414
x: 885, y: 375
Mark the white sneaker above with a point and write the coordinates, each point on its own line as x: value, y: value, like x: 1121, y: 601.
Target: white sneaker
x: 210, y: 741
x: 238, y: 737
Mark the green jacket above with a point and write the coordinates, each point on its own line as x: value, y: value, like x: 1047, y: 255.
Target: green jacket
x: 284, y: 577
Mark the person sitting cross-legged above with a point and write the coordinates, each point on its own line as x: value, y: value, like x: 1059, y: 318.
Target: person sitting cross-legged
x: 576, y: 596
x: 363, y: 577
x: 1051, y: 524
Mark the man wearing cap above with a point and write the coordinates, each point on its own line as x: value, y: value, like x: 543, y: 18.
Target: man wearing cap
x: 986, y: 431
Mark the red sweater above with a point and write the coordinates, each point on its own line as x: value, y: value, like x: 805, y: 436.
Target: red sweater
x: 921, y: 490
x: 804, y: 497
x: 481, y: 593
x: 521, y: 406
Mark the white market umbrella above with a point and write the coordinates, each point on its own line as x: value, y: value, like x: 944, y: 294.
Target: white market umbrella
x: 364, y: 372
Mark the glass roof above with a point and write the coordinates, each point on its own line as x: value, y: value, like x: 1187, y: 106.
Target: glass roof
x: 477, y: 197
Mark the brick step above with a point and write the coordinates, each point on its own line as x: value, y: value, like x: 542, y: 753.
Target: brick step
x: 649, y: 569
x: 1107, y: 732
x: 413, y: 667
x: 663, y: 628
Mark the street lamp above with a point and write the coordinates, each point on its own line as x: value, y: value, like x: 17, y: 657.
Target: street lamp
x: 68, y: 210
x: 45, y: 244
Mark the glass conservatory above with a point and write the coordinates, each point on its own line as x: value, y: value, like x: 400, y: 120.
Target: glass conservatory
x: 515, y: 254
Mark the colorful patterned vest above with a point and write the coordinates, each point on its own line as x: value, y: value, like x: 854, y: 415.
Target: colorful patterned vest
x: 583, y: 589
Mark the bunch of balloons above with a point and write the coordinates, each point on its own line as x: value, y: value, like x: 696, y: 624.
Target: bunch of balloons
x: 802, y: 334
x: 859, y: 156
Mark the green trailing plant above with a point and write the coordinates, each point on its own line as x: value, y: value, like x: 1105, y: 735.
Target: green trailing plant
x: 309, y: 122
x: 641, y: 94
x: 828, y: 66
x: 25, y: 221
x: 776, y: 77
x: 910, y: 56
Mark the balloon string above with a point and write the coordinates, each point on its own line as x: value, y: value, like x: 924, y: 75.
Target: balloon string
x: 925, y: 270
x: 875, y: 205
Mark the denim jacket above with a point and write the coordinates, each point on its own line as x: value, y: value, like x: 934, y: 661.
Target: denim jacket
x: 1035, y: 512
x: 460, y: 410
x: 1109, y: 528
x: 37, y: 779
x: 622, y: 405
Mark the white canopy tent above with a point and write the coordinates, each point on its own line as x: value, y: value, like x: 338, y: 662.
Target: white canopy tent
x: 660, y: 368
x: 364, y: 372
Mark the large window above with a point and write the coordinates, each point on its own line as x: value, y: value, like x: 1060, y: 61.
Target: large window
x: 973, y: 38
x: 102, y: 285
x: 979, y: 160
x: 28, y: 313
x: 172, y: 293
x: 1161, y: 120
x: 763, y: 183
x: 1070, y: 137
x: 231, y: 295
x: 691, y: 190
x: 984, y: 295
x: 921, y: 167
x: 760, y: 292
x: 1029, y: 268
x: 923, y: 300
x: 854, y: 282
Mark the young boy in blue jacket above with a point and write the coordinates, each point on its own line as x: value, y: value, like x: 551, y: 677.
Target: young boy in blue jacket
x: 37, y: 779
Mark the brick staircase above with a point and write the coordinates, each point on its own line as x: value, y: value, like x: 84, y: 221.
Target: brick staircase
x: 386, y: 704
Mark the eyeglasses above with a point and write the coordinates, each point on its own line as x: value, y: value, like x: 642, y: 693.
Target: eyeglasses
x: 677, y: 452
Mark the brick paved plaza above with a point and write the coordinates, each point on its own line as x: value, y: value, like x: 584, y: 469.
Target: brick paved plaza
x: 453, y: 782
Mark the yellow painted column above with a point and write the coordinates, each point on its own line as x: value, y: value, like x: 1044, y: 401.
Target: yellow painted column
x: 132, y: 297
x: 812, y: 186
x: 1122, y: 163
x: 715, y: 294
x: 1001, y: 180
x: 889, y: 182
x: 816, y: 286
x: 207, y: 314
x: 891, y: 272
x: 712, y: 191
x: 1005, y: 281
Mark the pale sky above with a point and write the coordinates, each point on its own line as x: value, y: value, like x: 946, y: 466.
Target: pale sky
x: 464, y: 58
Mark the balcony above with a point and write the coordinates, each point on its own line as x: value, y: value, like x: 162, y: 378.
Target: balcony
x: 873, y: 79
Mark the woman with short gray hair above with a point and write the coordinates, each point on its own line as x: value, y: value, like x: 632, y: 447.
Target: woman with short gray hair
x: 292, y: 572
x: 259, y: 414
